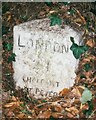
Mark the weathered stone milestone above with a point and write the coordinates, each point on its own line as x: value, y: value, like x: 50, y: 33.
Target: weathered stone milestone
x: 44, y: 62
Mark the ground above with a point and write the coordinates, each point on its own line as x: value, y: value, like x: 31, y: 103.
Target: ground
x: 18, y: 103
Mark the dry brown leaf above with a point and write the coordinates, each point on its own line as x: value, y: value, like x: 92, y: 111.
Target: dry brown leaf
x: 76, y: 92
x: 9, y: 17
x: 21, y: 115
x: 67, y: 109
x: 74, y: 109
x: 81, y: 87
x: 76, y: 101
x: 90, y: 43
x: 56, y: 115
x: 58, y: 108
x: 78, y: 20
x: 42, y: 13
x: 64, y: 104
x: 14, y: 98
x: 10, y: 114
x: 8, y: 105
x: 17, y: 21
x: 64, y: 92
x: 84, y: 107
x: 69, y: 115
x: 88, y: 74
x: 45, y: 114
x: 81, y: 17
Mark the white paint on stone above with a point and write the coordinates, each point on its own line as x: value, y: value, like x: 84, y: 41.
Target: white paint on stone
x: 44, y: 61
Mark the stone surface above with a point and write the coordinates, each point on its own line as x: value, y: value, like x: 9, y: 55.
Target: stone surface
x: 44, y: 62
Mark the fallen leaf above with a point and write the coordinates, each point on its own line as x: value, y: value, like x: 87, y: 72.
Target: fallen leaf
x: 45, y: 114
x: 21, y: 115
x: 74, y: 109
x: 76, y: 101
x: 9, y: 17
x: 10, y: 114
x: 81, y: 17
x: 42, y: 13
x: 56, y: 115
x: 90, y: 43
x: 67, y: 109
x: 69, y: 115
x: 58, y: 108
x: 64, y: 92
x: 84, y: 107
x: 8, y: 105
x: 64, y: 104
x: 78, y: 20
x: 76, y: 92
x: 14, y: 98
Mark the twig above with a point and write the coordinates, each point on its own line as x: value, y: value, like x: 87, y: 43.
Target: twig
x: 92, y: 114
x: 50, y: 103
x: 81, y: 17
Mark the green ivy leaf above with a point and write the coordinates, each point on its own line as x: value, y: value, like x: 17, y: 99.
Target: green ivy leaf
x: 44, y: 101
x: 55, y: 20
x: 11, y: 58
x: 9, y: 46
x: 72, y: 39
x: 71, y: 11
x: 86, y: 96
x: 66, y: 3
x: 48, y: 2
x: 26, y: 111
x: 82, y: 76
x: 77, y: 50
x: 89, y: 111
x: 87, y: 67
x: 24, y: 18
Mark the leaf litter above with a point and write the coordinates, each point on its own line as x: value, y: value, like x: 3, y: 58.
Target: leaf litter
x: 76, y: 102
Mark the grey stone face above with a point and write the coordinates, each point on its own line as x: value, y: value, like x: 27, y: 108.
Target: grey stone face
x: 44, y: 62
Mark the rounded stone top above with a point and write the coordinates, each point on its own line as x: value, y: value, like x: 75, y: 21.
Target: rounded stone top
x: 44, y: 25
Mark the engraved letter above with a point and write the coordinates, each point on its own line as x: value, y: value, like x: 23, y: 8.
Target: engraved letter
x: 57, y: 84
x: 65, y: 49
x: 47, y: 45
x: 39, y: 44
x: 56, y: 47
x: 19, y: 42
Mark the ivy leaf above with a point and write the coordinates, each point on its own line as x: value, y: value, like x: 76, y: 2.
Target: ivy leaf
x: 9, y: 46
x: 89, y: 111
x: 26, y: 111
x: 11, y: 58
x: 72, y: 39
x: 77, y: 50
x: 71, y: 11
x: 55, y: 20
x: 86, y: 96
x: 24, y: 18
x: 87, y: 67
x: 82, y: 76
x: 22, y: 105
x: 48, y: 2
